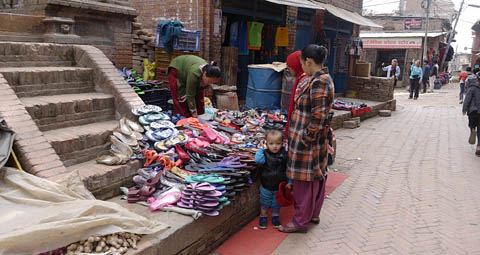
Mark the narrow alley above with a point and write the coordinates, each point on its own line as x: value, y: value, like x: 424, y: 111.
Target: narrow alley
x: 412, y: 186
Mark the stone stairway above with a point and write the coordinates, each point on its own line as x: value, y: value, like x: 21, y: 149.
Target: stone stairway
x: 74, y: 115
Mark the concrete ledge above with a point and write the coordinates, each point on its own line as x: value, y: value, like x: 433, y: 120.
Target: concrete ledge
x: 341, y: 116
x: 202, y: 236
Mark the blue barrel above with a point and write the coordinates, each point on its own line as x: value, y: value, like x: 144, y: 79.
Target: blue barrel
x: 264, y: 90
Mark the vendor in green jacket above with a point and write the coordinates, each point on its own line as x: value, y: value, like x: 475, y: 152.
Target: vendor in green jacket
x: 188, y: 76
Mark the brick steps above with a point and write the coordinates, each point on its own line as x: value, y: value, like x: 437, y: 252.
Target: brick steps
x: 34, y: 63
x: 46, y: 81
x: 60, y: 111
x: 105, y: 181
x: 33, y: 60
x: 81, y: 143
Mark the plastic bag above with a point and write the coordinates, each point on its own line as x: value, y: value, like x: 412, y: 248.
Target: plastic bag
x: 39, y: 215
x: 148, y: 70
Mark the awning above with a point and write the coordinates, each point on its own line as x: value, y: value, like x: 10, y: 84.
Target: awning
x: 348, y: 15
x: 298, y: 3
x: 397, y: 35
x: 338, y: 12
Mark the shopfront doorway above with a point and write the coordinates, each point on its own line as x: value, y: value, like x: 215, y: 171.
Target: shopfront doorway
x: 385, y: 56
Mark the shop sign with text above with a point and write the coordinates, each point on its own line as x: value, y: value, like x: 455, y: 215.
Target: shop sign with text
x: 413, y: 24
x: 392, y: 43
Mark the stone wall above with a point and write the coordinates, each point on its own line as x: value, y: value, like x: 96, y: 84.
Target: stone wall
x: 372, y: 88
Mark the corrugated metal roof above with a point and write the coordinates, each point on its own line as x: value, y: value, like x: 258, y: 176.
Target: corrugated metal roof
x: 398, y: 34
x: 297, y: 3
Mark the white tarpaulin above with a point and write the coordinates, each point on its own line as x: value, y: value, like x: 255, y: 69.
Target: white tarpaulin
x: 297, y: 3
x: 38, y: 215
x: 348, y: 15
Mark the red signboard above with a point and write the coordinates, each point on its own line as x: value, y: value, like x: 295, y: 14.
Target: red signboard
x: 392, y: 43
x: 413, y: 24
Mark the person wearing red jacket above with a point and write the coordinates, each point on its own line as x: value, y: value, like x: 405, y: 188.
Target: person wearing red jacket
x: 463, y: 78
x: 295, y: 69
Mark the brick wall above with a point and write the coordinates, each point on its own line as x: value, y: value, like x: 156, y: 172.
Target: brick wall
x: 476, y: 49
x: 292, y: 13
x: 372, y: 88
x: 109, y: 29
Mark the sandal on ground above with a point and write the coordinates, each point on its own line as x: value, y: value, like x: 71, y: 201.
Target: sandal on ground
x: 315, y: 221
x: 290, y: 228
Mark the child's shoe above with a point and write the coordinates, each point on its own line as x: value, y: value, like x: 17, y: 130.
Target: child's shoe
x: 263, y: 222
x: 275, y: 221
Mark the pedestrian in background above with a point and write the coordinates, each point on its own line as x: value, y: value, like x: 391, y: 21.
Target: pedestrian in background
x: 463, y: 78
x: 426, y: 75
x: 471, y: 79
x: 471, y: 106
x: 393, y: 70
x: 433, y: 75
x: 416, y: 75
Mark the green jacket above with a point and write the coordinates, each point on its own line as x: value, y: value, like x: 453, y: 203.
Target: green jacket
x: 189, y: 77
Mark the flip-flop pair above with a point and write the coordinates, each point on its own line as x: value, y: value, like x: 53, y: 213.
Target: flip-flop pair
x: 169, y: 198
x: 210, y: 178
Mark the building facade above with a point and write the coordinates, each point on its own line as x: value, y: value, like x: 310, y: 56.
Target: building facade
x: 326, y: 22
x: 402, y: 38
x: 476, y: 45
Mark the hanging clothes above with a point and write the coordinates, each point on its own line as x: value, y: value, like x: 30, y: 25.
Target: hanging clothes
x: 168, y: 31
x: 255, y: 35
x: 281, y: 37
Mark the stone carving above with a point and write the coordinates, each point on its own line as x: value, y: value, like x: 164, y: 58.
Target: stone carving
x: 65, y: 28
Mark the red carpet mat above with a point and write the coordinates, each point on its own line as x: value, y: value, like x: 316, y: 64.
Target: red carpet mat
x: 254, y: 241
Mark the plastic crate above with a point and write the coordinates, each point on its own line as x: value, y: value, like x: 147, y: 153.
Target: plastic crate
x: 157, y: 96
x: 188, y: 41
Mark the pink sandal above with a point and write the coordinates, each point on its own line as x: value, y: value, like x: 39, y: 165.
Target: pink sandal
x: 167, y: 199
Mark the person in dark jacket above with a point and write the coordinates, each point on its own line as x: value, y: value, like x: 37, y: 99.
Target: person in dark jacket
x: 472, y: 79
x: 426, y: 75
x: 273, y: 165
x: 471, y: 106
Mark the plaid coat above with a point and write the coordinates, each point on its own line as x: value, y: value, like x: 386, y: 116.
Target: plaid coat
x: 307, y: 145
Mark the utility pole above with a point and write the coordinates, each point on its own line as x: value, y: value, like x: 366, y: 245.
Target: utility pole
x: 451, y: 35
x: 426, y: 6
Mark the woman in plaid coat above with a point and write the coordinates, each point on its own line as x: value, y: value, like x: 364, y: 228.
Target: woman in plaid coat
x: 307, y: 140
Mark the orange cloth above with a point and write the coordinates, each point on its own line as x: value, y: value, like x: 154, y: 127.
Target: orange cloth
x: 281, y: 37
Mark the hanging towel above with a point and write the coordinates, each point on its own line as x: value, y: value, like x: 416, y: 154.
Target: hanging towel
x: 281, y: 38
x: 168, y: 31
x: 255, y: 35
x: 234, y: 34
x: 242, y: 38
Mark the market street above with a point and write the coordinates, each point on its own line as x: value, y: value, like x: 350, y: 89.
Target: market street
x: 413, y: 185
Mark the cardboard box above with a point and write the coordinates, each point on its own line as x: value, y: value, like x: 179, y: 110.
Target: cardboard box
x: 363, y: 69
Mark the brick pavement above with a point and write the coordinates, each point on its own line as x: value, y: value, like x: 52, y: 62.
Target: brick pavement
x: 413, y: 185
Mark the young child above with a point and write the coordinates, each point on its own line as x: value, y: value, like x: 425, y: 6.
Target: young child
x: 273, y: 163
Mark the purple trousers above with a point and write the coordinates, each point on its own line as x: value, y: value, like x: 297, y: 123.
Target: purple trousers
x: 308, y: 197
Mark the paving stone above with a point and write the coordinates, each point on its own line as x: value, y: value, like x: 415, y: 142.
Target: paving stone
x: 385, y: 113
x: 351, y: 124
